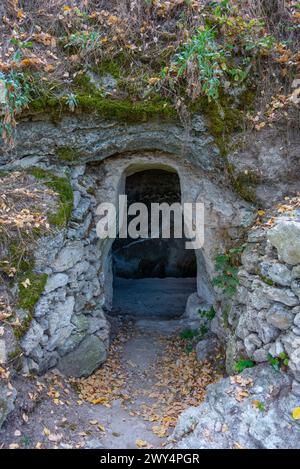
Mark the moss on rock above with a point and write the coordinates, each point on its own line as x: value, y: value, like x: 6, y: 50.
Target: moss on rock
x: 63, y: 188
x: 68, y: 154
x: 31, y: 287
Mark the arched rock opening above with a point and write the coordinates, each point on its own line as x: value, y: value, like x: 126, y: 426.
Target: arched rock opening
x: 153, y: 277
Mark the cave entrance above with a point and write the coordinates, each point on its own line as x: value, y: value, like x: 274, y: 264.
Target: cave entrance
x: 152, y: 278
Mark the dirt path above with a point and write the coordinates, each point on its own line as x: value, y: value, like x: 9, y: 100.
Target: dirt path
x: 132, y: 401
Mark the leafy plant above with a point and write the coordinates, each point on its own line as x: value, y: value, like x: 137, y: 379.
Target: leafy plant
x: 188, y: 334
x: 242, y: 365
x: 16, y: 92
x: 209, y: 315
x: 71, y: 101
x: 226, y: 265
x: 278, y: 362
x: 202, y: 60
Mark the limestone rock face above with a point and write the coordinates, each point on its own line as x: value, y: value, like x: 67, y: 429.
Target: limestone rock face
x: 285, y: 236
x: 84, y: 359
x: 223, y: 421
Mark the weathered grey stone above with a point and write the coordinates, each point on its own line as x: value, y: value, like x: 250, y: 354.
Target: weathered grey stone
x: 79, y: 170
x: 294, y: 362
x: 56, y: 281
x: 296, y: 272
x: 241, y: 422
x: 260, y: 355
x: 61, y: 316
x: 252, y: 342
x: 280, y: 316
x: 206, y: 348
x: 7, y: 398
x: 285, y: 236
x: 46, y: 250
x: 32, y: 337
x: 250, y: 258
x: 80, y: 321
x: 84, y: 359
x: 68, y: 257
x: 194, y: 305
x: 276, y: 348
x: 71, y: 342
x: 278, y: 273
x: 76, y: 198
x: 296, y: 287
x: 296, y: 388
x: 81, y: 211
x: 297, y: 320
x: 282, y: 295
x: 291, y: 342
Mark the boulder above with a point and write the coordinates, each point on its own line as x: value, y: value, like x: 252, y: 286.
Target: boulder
x: 285, y: 236
x: 262, y: 419
x: 85, y: 359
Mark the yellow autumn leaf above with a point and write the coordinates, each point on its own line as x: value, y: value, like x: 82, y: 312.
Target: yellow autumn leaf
x: 46, y: 431
x: 296, y: 413
x: 141, y: 443
x: 261, y: 213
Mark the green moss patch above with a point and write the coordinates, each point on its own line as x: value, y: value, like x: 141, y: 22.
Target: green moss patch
x: 123, y: 110
x: 31, y: 287
x: 63, y: 188
x: 67, y: 154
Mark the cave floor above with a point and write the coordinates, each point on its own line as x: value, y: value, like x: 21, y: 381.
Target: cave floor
x: 132, y: 401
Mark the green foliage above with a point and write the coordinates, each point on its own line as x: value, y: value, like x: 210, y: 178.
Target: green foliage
x: 85, y: 41
x: 242, y: 365
x: 278, y: 362
x: 208, y: 57
x: 71, y: 101
x: 67, y: 154
x: 209, y: 315
x: 260, y: 406
x: 188, y: 334
x: 30, y: 294
x: 219, y: 55
x: 64, y: 190
x: 226, y: 265
x: 17, y: 91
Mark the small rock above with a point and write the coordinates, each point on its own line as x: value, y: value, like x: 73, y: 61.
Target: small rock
x: 68, y: 257
x: 56, y: 281
x: 297, y: 320
x: 296, y: 272
x: 279, y: 316
x: 206, y: 348
x: 296, y: 388
x: 278, y: 273
x: 33, y: 337
x: 295, y: 286
x: 252, y: 342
